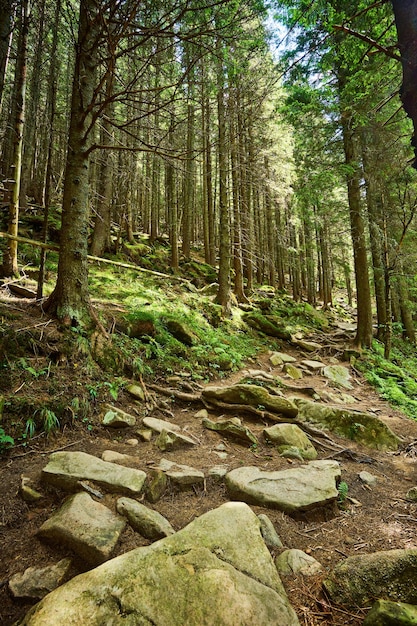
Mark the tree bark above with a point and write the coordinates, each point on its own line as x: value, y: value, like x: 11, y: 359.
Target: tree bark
x: 10, y: 267
x: 70, y: 299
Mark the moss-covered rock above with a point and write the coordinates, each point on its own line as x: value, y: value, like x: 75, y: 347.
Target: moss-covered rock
x: 251, y: 395
x: 390, y: 575
x: 268, y: 324
x: 385, y: 613
x: 355, y: 425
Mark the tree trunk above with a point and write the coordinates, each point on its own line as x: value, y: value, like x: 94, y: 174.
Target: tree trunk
x: 363, y: 293
x: 70, y: 299
x: 223, y: 294
x: 10, y: 267
x: 405, y: 12
x: 5, y: 41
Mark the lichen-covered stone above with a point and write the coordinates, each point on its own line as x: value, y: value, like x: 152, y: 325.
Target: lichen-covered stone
x: 252, y: 395
x: 290, y: 438
x: 216, y: 571
x: 86, y: 526
x: 298, y: 489
x: 66, y: 469
x: 355, y: 425
x: 390, y: 575
x: 385, y: 613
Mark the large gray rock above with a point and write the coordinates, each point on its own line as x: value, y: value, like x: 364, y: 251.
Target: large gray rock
x: 339, y: 375
x: 38, y: 582
x: 389, y: 575
x: 291, y: 490
x: 147, y: 522
x: 217, y: 570
x: 86, y: 526
x: 361, y: 427
x: 66, y: 469
x: 252, y: 395
x: 286, y: 436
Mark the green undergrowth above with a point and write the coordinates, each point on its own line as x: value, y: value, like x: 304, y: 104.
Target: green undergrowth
x: 395, y: 380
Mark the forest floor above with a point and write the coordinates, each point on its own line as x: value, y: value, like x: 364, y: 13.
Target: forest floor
x: 372, y: 519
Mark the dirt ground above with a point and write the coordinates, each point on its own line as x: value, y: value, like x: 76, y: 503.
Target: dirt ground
x: 377, y: 518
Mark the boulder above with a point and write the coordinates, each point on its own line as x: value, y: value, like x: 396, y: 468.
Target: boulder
x: 385, y: 613
x: 217, y: 570
x: 268, y: 324
x: 289, y: 436
x: 111, y: 456
x: 313, y: 366
x: 38, y: 582
x: 389, y: 575
x: 298, y: 489
x: 231, y: 428
x: 361, y: 427
x: 66, y: 469
x: 86, y: 526
x: 252, y: 395
x: 158, y: 426
x: 297, y: 562
x: 148, y: 523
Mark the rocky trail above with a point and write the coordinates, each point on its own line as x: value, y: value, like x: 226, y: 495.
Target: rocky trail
x: 271, y: 436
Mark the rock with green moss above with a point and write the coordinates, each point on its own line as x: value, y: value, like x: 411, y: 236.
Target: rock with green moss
x: 364, y: 428
x: 268, y: 324
x: 116, y: 418
x: 251, y: 395
x: 293, y: 490
x: 146, y: 521
x: 136, y: 391
x: 181, y: 331
x: 288, y: 437
x: 339, y: 375
x: 65, y: 469
x: 217, y: 571
x: 292, y: 371
x: 279, y: 358
x: 390, y: 575
x: 85, y: 526
x: 386, y: 613
x: 232, y: 427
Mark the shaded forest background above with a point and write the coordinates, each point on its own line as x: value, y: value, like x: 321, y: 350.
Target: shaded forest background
x: 127, y: 123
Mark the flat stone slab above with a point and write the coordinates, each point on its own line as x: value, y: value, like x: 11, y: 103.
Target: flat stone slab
x: 38, y: 582
x: 215, y: 571
x: 313, y: 366
x: 86, y: 526
x: 278, y: 358
x: 66, y: 469
x: 338, y: 374
x: 182, y: 475
x: 159, y: 425
x: 147, y: 522
x: 298, y: 489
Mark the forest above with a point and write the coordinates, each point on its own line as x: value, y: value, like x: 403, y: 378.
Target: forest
x: 286, y: 162
x: 197, y: 193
